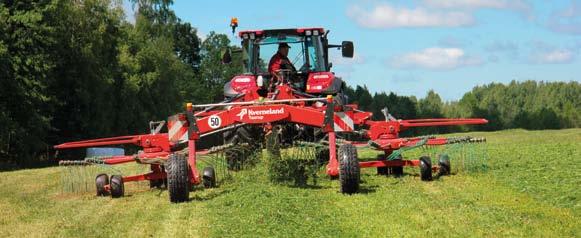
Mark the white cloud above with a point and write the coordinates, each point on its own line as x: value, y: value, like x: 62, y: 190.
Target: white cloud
x: 386, y: 16
x: 435, y: 58
x: 431, y: 13
x: 518, y: 5
x: 556, y: 56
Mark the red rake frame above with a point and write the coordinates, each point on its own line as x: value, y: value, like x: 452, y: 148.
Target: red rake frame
x: 383, y: 135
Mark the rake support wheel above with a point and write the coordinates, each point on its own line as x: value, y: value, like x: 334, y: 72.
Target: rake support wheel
x: 178, y: 176
x: 426, y: 168
x: 349, y: 171
x: 209, y: 177
x: 117, y: 186
x: 101, y: 181
x: 444, y: 162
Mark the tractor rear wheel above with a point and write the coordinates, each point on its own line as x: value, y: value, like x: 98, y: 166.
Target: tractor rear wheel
x: 117, y: 186
x: 209, y: 177
x: 349, y: 171
x: 444, y: 162
x: 178, y: 176
x: 426, y: 168
x: 101, y: 181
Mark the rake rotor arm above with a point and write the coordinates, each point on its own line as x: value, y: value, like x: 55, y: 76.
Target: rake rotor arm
x: 146, y: 141
x: 441, y: 122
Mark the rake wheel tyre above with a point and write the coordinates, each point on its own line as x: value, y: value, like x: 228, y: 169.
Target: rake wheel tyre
x: 117, y: 186
x: 426, y: 168
x: 382, y: 170
x: 101, y: 181
x: 209, y: 177
x: 178, y: 176
x: 397, y: 170
x: 349, y: 171
x: 444, y: 162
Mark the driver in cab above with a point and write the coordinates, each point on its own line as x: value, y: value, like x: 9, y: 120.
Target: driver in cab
x: 280, y: 61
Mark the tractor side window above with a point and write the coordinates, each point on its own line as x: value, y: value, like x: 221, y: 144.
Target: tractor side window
x: 316, y: 58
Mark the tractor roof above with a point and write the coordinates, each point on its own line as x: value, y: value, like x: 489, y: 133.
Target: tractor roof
x: 275, y: 32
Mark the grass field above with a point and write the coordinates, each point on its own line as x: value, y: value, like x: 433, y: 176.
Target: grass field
x: 531, y: 189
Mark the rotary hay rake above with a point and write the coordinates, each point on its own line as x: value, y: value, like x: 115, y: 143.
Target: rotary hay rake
x: 173, y: 156
x: 308, y: 104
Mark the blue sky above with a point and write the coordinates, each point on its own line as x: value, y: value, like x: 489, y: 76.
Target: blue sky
x: 410, y: 47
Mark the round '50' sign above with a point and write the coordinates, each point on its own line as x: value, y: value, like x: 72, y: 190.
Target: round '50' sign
x: 214, y: 121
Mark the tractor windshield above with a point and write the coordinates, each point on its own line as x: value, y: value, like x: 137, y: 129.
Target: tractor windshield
x: 306, y: 53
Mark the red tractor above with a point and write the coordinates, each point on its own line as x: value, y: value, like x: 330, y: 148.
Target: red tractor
x: 304, y: 101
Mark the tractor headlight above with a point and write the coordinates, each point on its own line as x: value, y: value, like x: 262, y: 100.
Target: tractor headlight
x: 245, y: 36
x: 252, y: 36
x: 315, y: 33
x: 308, y: 32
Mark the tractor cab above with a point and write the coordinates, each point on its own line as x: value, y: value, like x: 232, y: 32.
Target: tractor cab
x: 308, y: 54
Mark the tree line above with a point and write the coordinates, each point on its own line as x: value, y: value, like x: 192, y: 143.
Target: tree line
x: 78, y: 69
x: 529, y: 105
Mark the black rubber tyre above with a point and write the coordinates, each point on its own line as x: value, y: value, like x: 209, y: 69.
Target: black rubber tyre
x: 349, y: 171
x: 209, y: 177
x: 382, y: 170
x: 444, y: 163
x: 397, y: 170
x: 117, y: 186
x: 426, y: 168
x: 251, y: 135
x: 178, y: 176
x: 101, y: 181
x: 244, y: 134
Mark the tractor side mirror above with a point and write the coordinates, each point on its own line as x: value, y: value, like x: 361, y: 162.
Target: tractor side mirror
x: 226, y: 57
x: 347, y: 49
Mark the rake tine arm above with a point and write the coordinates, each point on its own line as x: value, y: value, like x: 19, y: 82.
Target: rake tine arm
x: 120, y: 140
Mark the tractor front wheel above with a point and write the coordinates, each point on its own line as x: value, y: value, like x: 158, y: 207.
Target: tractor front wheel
x: 349, y: 171
x: 250, y: 136
x: 178, y: 176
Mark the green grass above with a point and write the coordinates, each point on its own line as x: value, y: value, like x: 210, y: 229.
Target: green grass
x: 532, y: 188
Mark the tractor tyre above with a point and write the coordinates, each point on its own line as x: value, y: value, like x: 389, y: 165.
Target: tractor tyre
x: 244, y: 134
x: 426, y: 168
x: 251, y: 135
x: 444, y: 162
x: 209, y: 177
x: 101, y: 181
x: 117, y: 186
x: 178, y: 177
x: 349, y: 171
